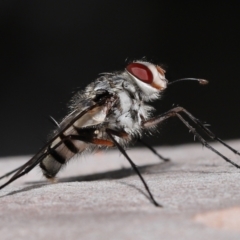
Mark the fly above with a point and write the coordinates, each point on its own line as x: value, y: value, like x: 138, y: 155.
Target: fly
x: 111, y: 112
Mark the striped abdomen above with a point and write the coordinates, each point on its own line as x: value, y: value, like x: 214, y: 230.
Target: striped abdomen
x: 73, y: 140
x: 58, y: 156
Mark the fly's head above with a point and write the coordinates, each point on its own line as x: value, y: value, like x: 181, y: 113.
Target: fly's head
x: 149, y: 78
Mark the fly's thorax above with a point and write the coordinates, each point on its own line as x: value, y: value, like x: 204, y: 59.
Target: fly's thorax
x: 129, y: 110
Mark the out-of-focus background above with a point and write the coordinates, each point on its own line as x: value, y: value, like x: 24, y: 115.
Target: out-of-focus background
x: 49, y: 49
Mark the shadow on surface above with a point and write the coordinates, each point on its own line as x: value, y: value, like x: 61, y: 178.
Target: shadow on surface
x: 115, y: 174
x: 25, y: 189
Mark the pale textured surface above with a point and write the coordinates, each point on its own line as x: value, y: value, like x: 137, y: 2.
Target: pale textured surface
x: 98, y: 197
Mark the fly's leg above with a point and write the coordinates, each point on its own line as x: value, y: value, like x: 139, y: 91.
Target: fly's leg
x: 26, y: 168
x: 125, y: 136
x: 199, y: 137
x: 153, y: 150
x: 10, y: 173
x: 176, y: 112
x: 110, y: 134
x: 208, y: 131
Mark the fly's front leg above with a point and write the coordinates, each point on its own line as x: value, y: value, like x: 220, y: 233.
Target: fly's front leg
x: 152, y: 122
x: 208, y: 131
x: 176, y: 112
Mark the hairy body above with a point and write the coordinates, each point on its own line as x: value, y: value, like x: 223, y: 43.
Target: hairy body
x: 123, y: 112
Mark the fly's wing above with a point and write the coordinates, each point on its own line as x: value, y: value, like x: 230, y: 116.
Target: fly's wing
x: 92, y: 115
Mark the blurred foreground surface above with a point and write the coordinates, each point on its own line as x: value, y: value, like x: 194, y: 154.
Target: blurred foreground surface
x: 100, y: 197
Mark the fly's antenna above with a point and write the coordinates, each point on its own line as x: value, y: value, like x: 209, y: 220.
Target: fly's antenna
x: 201, y: 81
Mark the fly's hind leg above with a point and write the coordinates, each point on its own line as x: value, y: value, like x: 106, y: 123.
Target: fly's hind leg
x: 24, y: 169
x: 9, y: 173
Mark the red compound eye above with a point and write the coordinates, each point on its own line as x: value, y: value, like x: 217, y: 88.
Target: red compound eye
x: 141, y: 72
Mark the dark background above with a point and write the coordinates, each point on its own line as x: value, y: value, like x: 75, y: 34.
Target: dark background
x: 49, y: 49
